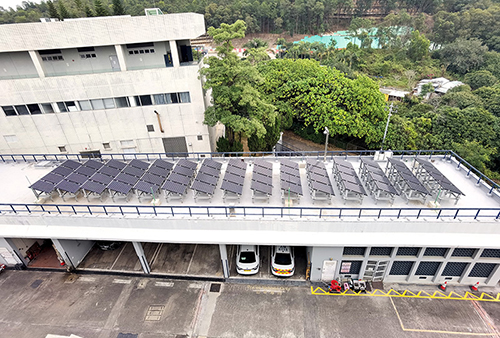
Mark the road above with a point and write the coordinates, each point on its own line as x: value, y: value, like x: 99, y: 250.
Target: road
x: 36, y: 303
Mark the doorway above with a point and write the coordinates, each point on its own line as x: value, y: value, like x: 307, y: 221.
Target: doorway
x: 375, y: 270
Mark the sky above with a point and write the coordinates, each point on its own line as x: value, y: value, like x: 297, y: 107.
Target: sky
x: 13, y: 3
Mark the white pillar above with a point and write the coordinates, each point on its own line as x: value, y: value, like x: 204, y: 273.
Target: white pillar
x: 121, y: 58
x: 142, y: 258
x: 62, y: 253
x: 223, y: 258
x: 175, y: 53
x: 37, y: 61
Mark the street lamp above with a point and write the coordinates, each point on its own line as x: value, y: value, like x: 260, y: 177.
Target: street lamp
x: 387, y: 124
x: 327, y: 133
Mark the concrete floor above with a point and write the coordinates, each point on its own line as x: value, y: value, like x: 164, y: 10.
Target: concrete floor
x: 35, y: 304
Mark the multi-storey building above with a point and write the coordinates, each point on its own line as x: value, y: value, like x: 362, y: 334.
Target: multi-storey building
x: 408, y: 217
x: 107, y: 84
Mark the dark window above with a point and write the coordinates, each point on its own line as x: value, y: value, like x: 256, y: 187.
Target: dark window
x: 9, y: 110
x: 49, y: 51
x: 150, y: 127
x: 184, y: 97
x: 463, y: 252
x: 122, y: 102
x: 22, y: 110
x: 380, y: 251
x: 62, y: 107
x: 146, y: 100
x: 401, y: 268
x: 200, y: 138
x: 34, y: 109
x: 175, y: 145
x: 493, y: 253
x: 174, y: 97
x: 355, y: 267
x: 438, y: 252
x: 482, y: 270
x: 140, y: 45
x: 62, y: 149
x: 454, y: 269
x: 106, y: 146
x: 427, y: 268
x: 248, y: 257
x: 407, y: 251
x: 354, y: 251
x: 86, y: 49
x: 283, y: 259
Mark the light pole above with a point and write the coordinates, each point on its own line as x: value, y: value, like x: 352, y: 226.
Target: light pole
x: 387, y: 125
x: 327, y: 133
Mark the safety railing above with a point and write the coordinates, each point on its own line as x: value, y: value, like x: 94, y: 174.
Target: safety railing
x: 489, y: 214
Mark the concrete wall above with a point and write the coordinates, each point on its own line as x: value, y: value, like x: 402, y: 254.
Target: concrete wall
x: 74, y: 250
x: 144, y: 61
x: 9, y: 253
x: 85, y: 130
x: 73, y: 64
x: 102, y: 31
x: 16, y: 66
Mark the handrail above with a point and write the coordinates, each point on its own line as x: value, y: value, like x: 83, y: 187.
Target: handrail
x: 249, y: 211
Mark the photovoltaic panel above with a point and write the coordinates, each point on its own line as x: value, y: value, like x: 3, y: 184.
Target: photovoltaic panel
x: 203, y: 187
x: 127, y: 179
x: 101, y: 178
x: 355, y: 187
x: 325, y: 188
x: 314, y: 177
x: 95, y: 187
x: 232, y: 187
x: 157, y: 171
x: 263, y: 164
x: 262, y: 171
x: 210, y: 171
x: 205, y: 178
x: 188, y: 172
x: 120, y: 187
x: 157, y: 180
x: 139, y: 164
x: 116, y: 164
x: 347, y: 177
x: 146, y: 187
x: 68, y: 186
x: 237, y: 163
x: 262, y: 178
x: 93, y: 164
x: 410, y: 179
x: 76, y: 178
x: 42, y: 186
x: 261, y: 187
x: 187, y: 164
x: 62, y: 171
x: 290, y: 178
x: 212, y: 164
x: 230, y: 177
x: 439, y: 177
x: 86, y: 171
x: 133, y: 171
x: 174, y: 187
x: 109, y: 171
x: 178, y: 178
x: 70, y: 164
x: 52, y: 178
x: 159, y: 163
x: 377, y: 177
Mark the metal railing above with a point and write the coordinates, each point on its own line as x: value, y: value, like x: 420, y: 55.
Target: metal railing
x: 251, y: 211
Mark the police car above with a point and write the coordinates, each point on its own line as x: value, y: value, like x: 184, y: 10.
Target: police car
x: 282, y: 261
x: 247, y: 259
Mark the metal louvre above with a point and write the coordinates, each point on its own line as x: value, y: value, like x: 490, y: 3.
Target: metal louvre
x: 378, y: 185
x: 438, y: 252
x: 463, y: 252
x: 492, y: 253
x: 354, y: 251
x: 401, y: 268
x: 348, y: 181
x: 381, y: 251
x: 454, y: 269
x: 405, y: 182
x: 482, y: 270
x: 408, y: 251
x: 427, y: 268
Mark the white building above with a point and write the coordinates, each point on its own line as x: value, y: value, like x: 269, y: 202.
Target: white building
x: 415, y: 217
x: 107, y: 84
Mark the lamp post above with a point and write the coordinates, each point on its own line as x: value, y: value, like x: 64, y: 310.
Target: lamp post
x: 387, y: 125
x: 327, y: 133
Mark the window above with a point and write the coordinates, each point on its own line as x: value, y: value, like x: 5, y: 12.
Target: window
x: 97, y: 104
x: 146, y: 100
x: 174, y: 97
x: 109, y: 103
x: 9, y: 110
x: 62, y: 149
x: 184, y: 97
x: 122, y: 102
x: 401, y: 268
x: 454, y: 269
x: 150, y: 127
x: 200, y: 138
x: 53, y: 58
x: 10, y: 138
x: 34, y: 108
x: 62, y: 107
x: 85, y: 105
x: 71, y: 105
x: 159, y: 99
x: 47, y: 108
x: 482, y: 270
x: 106, y: 145
x: 141, y: 51
x: 354, y: 267
x: 88, y: 56
x: 22, y: 110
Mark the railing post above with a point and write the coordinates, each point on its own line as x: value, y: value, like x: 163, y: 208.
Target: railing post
x: 439, y: 213
x: 360, y: 210
x: 154, y: 210
x: 477, y: 213
x: 137, y: 209
x: 399, y: 213
x: 90, y: 210
x: 172, y: 210
x: 320, y: 212
x: 106, y: 210
x: 456, y: 214
x: 379, y: 213
x: 419, y: 211
x: 58, y: 210
x: 13, y: 209
x: 190, y: 213
x: 28, y: 208
x: 121, y: 210
x: 73, y: 207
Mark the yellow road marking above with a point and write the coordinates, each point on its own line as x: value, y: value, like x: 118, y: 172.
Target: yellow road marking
x: 436, y: 331
x: 484, y: 297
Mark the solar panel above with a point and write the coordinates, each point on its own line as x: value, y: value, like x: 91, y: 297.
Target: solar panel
x: 322, y: 187
x: 291, y: 187
x: 205, y: 178
x: 68, y: 186
x: 70, y: 164
x: 439, y: 177
x: 263, y: 171
x: 263, y: 164
x: 210, y: 171
x: 95, y: 187
x: 314, y: 177
x: 93, y: 164
x: 354, y: 187
x: 261, y: 187
x: 230, y: 177
x: 62, y: 171
x: 86, y: 171
x: 159, y: 163
x: 262, y: 178
x: 101, y: 178
x: 120, y: 187
x: 157, y: 171
x: 187, y: 164
x: 409, y: 178
x: 109, y: 171
x: 232, y: 187
x: 42, y: 186
x: 347, y: 179
x: 203, y: 187
x: 237, y: 164
x: 146, y: 187
x: 139, y: 164
x: 158, y: 180
x: 212, y: 164
x: 116, y: 164
x: 125, y: 178
x: 376, y: 181
x: 178, y: 178
x: 174, y: 187
x: 133, y: 171
x: 76, y: 178
x: 52, y: 178
x: 290, y: 178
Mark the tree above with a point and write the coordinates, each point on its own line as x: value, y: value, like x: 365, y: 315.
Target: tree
x: 99, y: 8
x: 475, y: 153
x: 52, y: 10
x: 481, y: 78
x: 419, y: 47
x: 463, y: 55
x: 118, y: 8
x: 88, y: 12
x: 63, y: 12
x: 236, y: 101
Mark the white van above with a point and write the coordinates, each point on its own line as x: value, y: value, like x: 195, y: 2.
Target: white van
x: 282, y: 261
x: 247, y: 259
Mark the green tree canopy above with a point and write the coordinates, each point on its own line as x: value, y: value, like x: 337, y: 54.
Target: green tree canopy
x: 100, y: 9
x: 463, y: 56
x: 481, y: 78
x: 118, y: 7
x: 419, y: 47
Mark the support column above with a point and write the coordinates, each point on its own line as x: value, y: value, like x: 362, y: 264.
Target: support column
x: 37, y: 61
x: 175, y: 53
x: 62, y: 254
x: 494, y: 277
x: 223, y: 258
x: 142, y: 258
x: 121, y: 58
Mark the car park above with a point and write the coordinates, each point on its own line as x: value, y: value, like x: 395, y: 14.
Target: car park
x: 282, y: 261
x: 247, y: 259
x: 108, y: 245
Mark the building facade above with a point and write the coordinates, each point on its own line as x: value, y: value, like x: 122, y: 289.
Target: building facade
x: 108, y: 84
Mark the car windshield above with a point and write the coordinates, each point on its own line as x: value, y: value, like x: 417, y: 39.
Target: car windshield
x: 247, y: 257
x: 283, y: 259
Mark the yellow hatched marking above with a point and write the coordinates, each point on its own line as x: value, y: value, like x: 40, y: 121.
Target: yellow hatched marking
x: 454, y: 295
x: 423, y: 294
x: 411, y: 294
x: 393, y: 293
x: 470, y: 296
x: 439, y: 294
x: 485, y: 296
x: 378, y: 292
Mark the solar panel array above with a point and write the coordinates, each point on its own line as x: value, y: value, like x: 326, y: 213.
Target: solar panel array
x: 206, y: 181
x: 123, y: 183
x: 178, y: 181
x: 154, y: 177
x: 377, y: 183
x: 262, y: 180
x: 320, y: 185
x: 405, y: 181
x: 234, y: 178
x: 435, y: 181
x: 348, y: 181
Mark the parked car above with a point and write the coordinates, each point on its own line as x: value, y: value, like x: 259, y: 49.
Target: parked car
x: 247, y: 259
x: 282, y: 261
x: 108, y: 245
